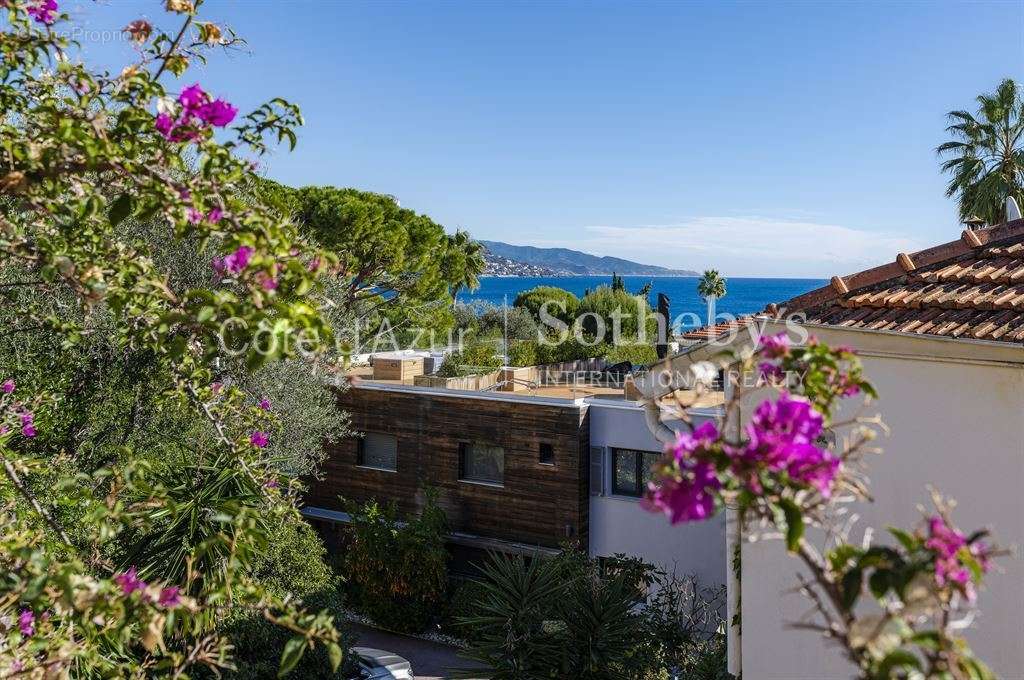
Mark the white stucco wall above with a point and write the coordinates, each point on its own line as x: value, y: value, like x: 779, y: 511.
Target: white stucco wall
x: 619, y: 525
x: 956, y: 413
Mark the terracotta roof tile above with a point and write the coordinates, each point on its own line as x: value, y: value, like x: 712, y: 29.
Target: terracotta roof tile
x: 969, y: 288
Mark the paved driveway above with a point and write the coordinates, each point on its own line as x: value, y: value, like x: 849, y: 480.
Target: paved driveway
x: 430, y: 660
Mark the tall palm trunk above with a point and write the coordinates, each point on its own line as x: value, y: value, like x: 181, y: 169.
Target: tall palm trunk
x: 711, y: 309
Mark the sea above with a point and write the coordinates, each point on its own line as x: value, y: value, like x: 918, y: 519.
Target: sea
x: 743, y: 295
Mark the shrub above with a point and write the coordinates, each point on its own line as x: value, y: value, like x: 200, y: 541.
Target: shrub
x: 638, y: 355
x: 521, y: 324
x: 397, y: 571
x: 464, y: 600
x: 465, y: 317
x: 476, y: 357
x: 604, y: 302
x: 558, y: 618
x: 532, y: 300
x: 522, y: 353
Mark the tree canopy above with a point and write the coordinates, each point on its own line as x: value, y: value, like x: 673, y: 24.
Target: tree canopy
x: 985, y: 158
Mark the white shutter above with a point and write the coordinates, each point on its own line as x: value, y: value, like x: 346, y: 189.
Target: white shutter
x: 597, y: 471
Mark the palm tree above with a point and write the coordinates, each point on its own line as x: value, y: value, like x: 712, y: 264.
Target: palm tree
x: 473, y: 263
x: 986, y: 156
x: 711, y: 287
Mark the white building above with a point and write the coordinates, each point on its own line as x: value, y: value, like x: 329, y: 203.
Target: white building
x: 940, y: 333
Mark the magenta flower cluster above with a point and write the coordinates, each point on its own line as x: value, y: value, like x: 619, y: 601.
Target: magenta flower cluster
x: 689, y: 494
x: 234, y: 263
x: 130, y: 582
x: 27, y: 622
x: 259, y: 439
x: 27, y: 418
x: 949, y: 546
x: 43, y: 11
x: 781, y: 437
x: 198, y: 113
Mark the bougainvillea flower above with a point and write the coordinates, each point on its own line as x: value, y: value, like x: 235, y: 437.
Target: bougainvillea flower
x: 267, y: 282
x: 129, y: 581
x: 774, y: 346
x: 28, y: 426
x: 265, y: 404
x: 781, y: 436
x: 43, y: 11
x: 27, y: 622
x: 194, y: 216
x: 217, y: 113
x: 214, y: 216
x: 949, y: 547
x: 169, y: 597
x: 259, y: 439
x: 238, y: 260
x: 7, y: 386
x: 688, y: 495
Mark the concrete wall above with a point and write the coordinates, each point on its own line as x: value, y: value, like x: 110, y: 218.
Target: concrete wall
x: 619, y: 525
x: 955, y: 412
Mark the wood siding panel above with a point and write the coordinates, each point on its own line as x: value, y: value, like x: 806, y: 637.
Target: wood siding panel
x: 538, y: 504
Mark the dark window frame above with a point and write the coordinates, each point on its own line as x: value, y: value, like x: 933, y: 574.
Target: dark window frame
x: 361, y: 452
x: 640, y: 470
x: 464, y: 452
x: 546, y: 453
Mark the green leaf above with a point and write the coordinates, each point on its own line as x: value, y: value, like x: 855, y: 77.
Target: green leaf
x: 121, y: 209
x: 842, y: 554
x: 909, y: 542
x: 794, y: 523
x: 334, y: 654
x: 851, y: 587
x: 897, y: 658
x: 879, y: 583
x: 927, y: 639
x: 293, y: 651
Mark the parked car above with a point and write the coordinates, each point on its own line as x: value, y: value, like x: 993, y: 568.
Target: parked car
x: 376, y: 664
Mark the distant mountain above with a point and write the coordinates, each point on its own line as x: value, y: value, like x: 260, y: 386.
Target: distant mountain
x: 566, y: 262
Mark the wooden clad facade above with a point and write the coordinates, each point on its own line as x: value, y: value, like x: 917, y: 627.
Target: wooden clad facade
x: 538, y: 504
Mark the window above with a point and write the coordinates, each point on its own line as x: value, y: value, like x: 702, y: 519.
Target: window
x: 481, y: 463
x: 631, y: 470
x: 379, y: 451
x: 546, y: 454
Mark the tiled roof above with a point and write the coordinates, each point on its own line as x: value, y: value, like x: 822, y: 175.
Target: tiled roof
x: 969, y: 288
x: 719, y: 329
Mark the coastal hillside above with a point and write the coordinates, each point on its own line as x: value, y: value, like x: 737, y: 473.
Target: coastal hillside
x: 566, y: 262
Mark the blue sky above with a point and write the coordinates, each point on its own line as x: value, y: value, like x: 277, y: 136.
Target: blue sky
x: 775, y: 139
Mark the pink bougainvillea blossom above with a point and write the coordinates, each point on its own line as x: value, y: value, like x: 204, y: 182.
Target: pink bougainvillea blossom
x: 217, y: 113
x: 775, y: 346
x: 265, y: 404
x: 238, y: 260
x: 28, y: 425
x: 781, y: 437
x: 267, y: 282
x: 198, y: 112
x: 170, y: 597
x: 130, y: 581
x: 27, y: 622
x: 259, y: 439
x: 194, y: 216
x: 951, y: 550
x: 687, y: 494
x: 7, y: 386
x: 43, y: 11
x: 214, y: 216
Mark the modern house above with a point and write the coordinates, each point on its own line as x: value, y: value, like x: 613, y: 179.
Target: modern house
x: 517, y: 471
x: 941, y: 335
